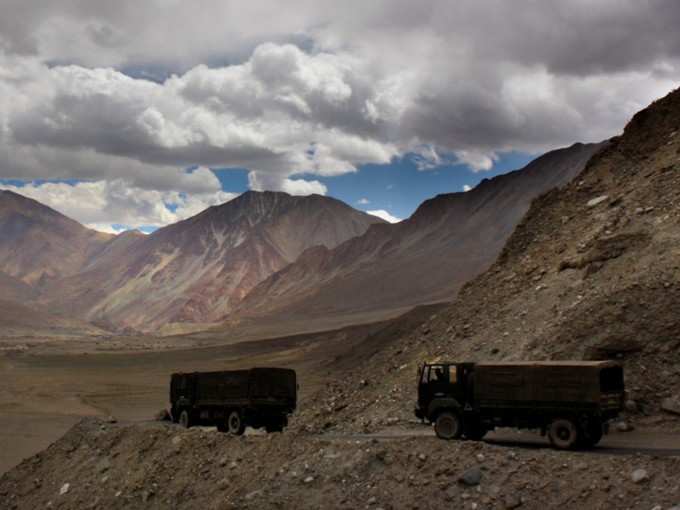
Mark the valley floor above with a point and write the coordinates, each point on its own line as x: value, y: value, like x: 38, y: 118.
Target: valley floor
x: 48, y: 384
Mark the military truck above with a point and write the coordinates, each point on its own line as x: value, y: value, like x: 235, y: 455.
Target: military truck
x: 235, y: 399
x: 570, y: 401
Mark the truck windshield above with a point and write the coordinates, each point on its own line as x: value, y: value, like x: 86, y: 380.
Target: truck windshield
x: 440, y: 373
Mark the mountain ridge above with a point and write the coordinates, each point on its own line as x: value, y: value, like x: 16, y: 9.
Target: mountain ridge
x: 419, y: 249
x: 192, y: 271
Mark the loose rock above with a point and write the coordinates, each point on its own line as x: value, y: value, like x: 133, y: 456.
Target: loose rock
x: 471, y: 477
x: 639, y: 475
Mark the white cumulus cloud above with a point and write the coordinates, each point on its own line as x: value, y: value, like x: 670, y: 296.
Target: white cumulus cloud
x: 102, y: 204
x: 383, y: 214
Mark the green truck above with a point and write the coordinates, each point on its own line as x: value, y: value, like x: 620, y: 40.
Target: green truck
x: 234, y: 399
x: 570, y: 401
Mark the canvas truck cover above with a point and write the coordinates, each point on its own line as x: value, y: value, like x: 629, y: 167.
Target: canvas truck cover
x: 235, y: 385
x: 545, y: 383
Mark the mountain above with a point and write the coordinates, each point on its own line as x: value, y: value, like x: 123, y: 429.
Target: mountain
x: 591, y: 272
x: 195, y: 270
x: 38, y: 244
x: 426, y: 258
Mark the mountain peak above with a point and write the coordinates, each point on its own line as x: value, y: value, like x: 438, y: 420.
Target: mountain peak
x: 11, y: 201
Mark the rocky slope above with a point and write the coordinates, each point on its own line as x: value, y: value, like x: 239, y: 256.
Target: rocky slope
x: 101, y: 465
x: 448, y: 240
x: 591, y: 272
x: 38, y: 244
x: 195, y: 270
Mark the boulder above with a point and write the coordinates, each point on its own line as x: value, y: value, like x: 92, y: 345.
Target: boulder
x: 671, y: 405
x: 471, y: 477
x: 639, y: 475
x: 597, y: 200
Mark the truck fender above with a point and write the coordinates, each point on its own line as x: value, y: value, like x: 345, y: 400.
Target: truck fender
x: 439, y: 404
x: 182, y: 402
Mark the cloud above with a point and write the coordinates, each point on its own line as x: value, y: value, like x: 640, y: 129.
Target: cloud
x: 108, y: 228
x: 317, y: 90
x: 281, y: 113
x: 466, y: 188
x: 102, y: 204
x: 383, y: 214
x: 263, y: 181
x: 363, y: 201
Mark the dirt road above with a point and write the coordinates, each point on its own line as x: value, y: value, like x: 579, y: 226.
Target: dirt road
x: 645, y: 442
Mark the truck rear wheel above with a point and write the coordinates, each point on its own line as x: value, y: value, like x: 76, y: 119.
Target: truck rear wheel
x: 185, y: 419
x: 448, y: 425
x: 563, y: 434
x: 235, y: 423
x: 591, y: 434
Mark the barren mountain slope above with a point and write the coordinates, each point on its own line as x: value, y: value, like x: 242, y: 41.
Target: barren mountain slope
x: 592, y: 271
x: 38, y: 244
x: 193, y: 271
x: 160, y: 466
x: 13, y: 289
x: 448, y: 240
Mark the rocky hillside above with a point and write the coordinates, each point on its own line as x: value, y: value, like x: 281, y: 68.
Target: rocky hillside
x: 102, y: 465
x: 38, y: 244
x: 195, y: 270
x: 591, y: 272
x: 448, y: 240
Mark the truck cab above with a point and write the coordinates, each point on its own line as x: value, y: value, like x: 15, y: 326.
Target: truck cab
x: 443, y: 384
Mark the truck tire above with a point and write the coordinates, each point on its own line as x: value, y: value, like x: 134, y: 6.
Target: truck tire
x: 448, y: 425
x: 591, y: 434
x: 185, y: 419
x: 563, y: 434
x: 235, y: 424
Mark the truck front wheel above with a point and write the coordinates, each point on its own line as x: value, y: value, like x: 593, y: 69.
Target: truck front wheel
x: 563, y: 434
x: 448, y: 425
x: 185, y: 419
x: 235, y: 423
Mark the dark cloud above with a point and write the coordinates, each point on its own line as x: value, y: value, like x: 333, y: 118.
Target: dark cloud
x: 156, y: 86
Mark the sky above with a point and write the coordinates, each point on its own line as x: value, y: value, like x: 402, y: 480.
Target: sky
x: 138, y: 114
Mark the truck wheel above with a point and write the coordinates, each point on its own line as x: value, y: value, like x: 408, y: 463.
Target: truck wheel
x: 235, y: 423
x: 448, y: 425
x: 592, y: 434
x: 563, y: 434
x: 185, y: 419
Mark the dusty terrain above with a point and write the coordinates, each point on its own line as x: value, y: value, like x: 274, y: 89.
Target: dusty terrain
x: 154, y: 465
x: 47, y: 384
